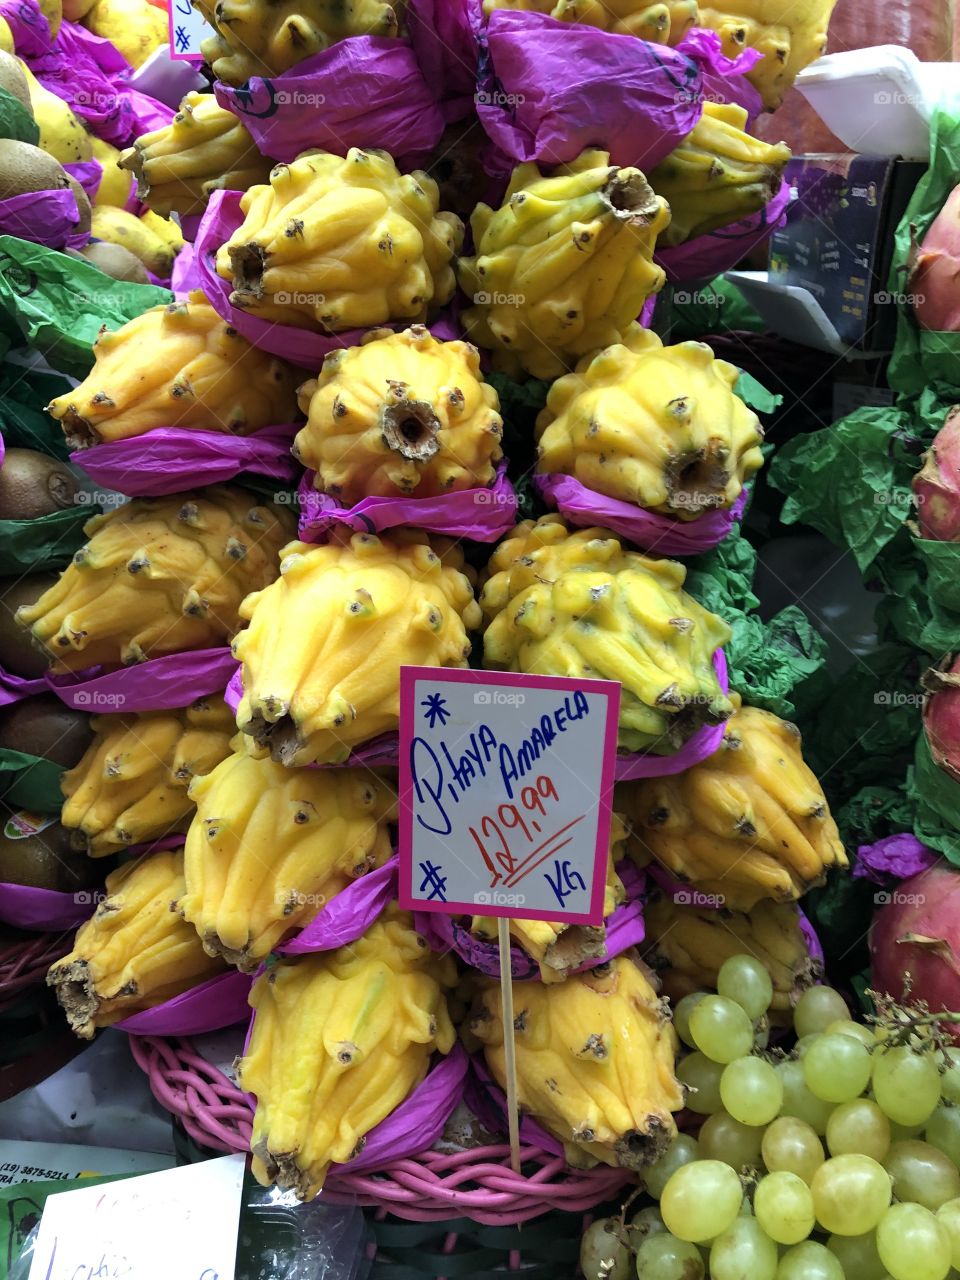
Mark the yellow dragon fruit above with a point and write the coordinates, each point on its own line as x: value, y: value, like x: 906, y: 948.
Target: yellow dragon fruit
x: 135, y: 951
x: 595, y: 1061
x: 339, y: 1040
x: 176, y: 365
x: 337, y: 243
x: 158, y: 576
x: 130, y: 787
x: 717, y: 175
x: 665, y: 23
x: 749, y: 822
x: 657, y: 426
x: 789, y: 33
x: 322, y: 654
x: 204, y: 148
x: 578, y: 604
x: 565, y: 264
x: 253, y: 39
x: 400, y: 415
x: 270, y: 846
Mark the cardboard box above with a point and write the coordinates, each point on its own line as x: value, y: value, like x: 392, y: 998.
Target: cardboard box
x: 838, y: 240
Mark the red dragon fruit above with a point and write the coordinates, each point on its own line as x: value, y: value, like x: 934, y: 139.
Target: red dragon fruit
x: 936, y: 488
x: 941, y: 717
x: 935, y: 271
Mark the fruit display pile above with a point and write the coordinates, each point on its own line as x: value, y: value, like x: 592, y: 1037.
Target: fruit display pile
x: 295, y: 396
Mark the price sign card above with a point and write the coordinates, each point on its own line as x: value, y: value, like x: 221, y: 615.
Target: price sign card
x: 187, y: 28
x: 506, y: 784
x: 178, y: 1223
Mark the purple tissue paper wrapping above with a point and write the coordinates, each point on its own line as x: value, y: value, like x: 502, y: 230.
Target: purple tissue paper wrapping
x: 219, y: 1002
x: 49, y: 218
x: 159, y: 684
x: 44, y: 909
x: 28, y: 26
x: 349, y: 914
x: 707, y: 256
x: 16, y: 688
x: 895, y: 857
x: 444, y: 38
x: 703, y: 743
x: 88, y: 173
x: 724, y: 79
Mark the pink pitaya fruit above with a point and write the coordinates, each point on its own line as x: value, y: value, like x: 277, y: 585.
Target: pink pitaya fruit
x: 941, y: 716
x: 936, y: 487
x: 935, y: 271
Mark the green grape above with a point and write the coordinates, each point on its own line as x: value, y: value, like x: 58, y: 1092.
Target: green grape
x: 698, y: 1073
x: 912, y: 1244
x: 904, y: 1132
x: 943, y: 1132
x: 858, y: 1128
x: 837, y: 1068
x: 798, y: 1101
x: 783, y: 1205
x: 644, y: 1223
x: 858, y: 1256
x: 747, y: 982
x: 950, y: 1080
x: 817, y: 1008
x: 791, y: 1146
x: 846, y: 1027
x: 664, y: 1257
x: 681, y: 1016
x: 723, y: 1138
x: 810, y: 1261
x: 906, y: 1084
x: 721, y: 1029
x: 850, y: 1194
x: 805, y: 1043
x: 743, y: 1252
x: 751, y: 1091
x: 602, y: 1252
x: 948, y: 1215
x: 683, y: 1150
x: 701, y: 1200
x: 922, y: 1173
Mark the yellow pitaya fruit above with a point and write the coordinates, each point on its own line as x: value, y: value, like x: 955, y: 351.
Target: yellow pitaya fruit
x: 254, y: 40
x: 749, y: 822
x: 176, y: 365
x: 595, y: 1061
x: 577, y: 604
x: 657, y: 426
x: 718, y: 174
x: 158, y: 576
x: 130, y: 787
x: 269, y: 847
x: 789, y: 33
x: 322, y: 654
x: 665, y: 23
x: 565, y: 264
x: 339, y: 243
x: 400, y: 415
x: 135, y: 951
x: 339, y: 1040
x: 204, y: 148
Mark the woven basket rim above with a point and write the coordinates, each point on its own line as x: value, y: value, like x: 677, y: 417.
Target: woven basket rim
x: 24, y: 961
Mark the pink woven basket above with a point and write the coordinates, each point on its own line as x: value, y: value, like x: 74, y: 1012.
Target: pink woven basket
x: 24, y: 961
x: 478, y: 1184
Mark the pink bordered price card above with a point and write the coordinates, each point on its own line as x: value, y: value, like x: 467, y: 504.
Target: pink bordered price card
x: 506, y: 786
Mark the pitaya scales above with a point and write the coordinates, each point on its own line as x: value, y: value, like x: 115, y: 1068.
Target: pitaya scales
x: 936, y: 487
x: 941, y: 717
x: 935, y: 271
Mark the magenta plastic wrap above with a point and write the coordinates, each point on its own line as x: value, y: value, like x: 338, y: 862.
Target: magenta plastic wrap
x: 46, y: 217
x: 185, y: 275
x: 444, y: 38
x: 707, y: 256
x: 488, y: 1103
x: 88, y: 173
x: 895, y: 857
x: 159, y: 684
x: 219, y: 1002
x: 481, y: 514
x: 366, y: 91
x: 447, y: 933
x: 154, y: 464
x: 814, y: 947
x: 724, y: 79
x: 650, y: 530
x: 349, y: 914
x: 703, y: 743
x: 28, y: 26
x: 16, y: 688
x: 44, y: 909
x: 550, y: 89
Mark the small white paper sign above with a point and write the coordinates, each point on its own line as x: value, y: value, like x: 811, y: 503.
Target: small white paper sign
x: 177, y: 1223
x: 188, y: 28
x: 506, y: 784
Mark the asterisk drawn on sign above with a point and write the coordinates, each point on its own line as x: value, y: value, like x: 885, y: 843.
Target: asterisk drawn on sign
x: 434, y: 709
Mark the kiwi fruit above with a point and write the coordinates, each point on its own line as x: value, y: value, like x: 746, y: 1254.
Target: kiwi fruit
x: 44, y: 859
x: 83, y: 207
x: 13, y: 80
x: 44, y: 726
x: 18, y: 654
x: 24, y: 168
x: 33, y: 484
x: 113, y: 260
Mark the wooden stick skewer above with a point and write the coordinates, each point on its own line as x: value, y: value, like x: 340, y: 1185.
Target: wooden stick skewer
x: 509, y: 1041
